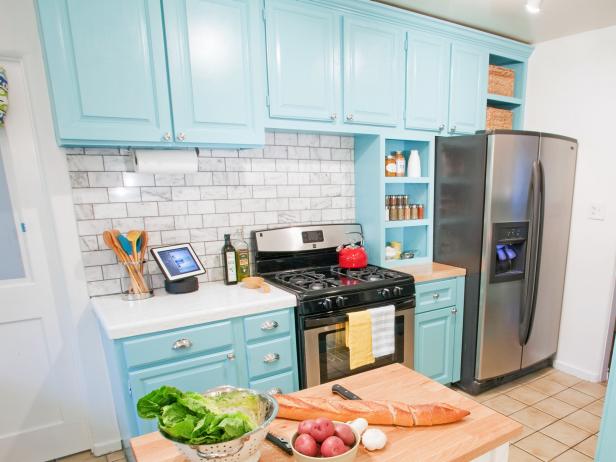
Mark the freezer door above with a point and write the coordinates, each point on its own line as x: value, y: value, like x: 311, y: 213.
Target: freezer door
x: 557, y: 157
x: 508, y: 199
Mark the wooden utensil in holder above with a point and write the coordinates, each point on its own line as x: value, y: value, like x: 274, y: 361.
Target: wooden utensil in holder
x: 134, y: 263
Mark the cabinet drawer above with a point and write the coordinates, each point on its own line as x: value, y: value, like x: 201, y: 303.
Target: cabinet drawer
x: 281, y: 383
x: 434, y: 295
x: 269, y: 357
x: 266, y: 325
x: 177, y: 344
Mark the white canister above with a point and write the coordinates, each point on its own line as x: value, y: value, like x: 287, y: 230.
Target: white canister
x: 414, y: 167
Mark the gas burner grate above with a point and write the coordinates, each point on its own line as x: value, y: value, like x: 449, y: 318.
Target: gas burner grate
x: 307, y: 280
x: 369, y: 273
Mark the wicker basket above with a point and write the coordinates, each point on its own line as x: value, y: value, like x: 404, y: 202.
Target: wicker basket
x: 498, y: 118
x: 501, y: 80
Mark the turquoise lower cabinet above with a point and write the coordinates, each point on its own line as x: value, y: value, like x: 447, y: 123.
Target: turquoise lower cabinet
x: 255, y: 351
x: 303, y: 61
x: 468, y: 88
x: 106, y: 70
x: 438, y: 329
x: 199, y: 373
x: 606, y: 448
x: 215, y: 70
x: 373, y: 70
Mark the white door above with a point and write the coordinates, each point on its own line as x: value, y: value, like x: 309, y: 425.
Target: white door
x: 40, y: 410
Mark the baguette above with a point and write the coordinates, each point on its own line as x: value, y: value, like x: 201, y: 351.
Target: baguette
x: 375, y: 412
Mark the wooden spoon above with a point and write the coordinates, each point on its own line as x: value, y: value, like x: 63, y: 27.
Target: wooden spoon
x: 133, y: 237
x: 144, y: 249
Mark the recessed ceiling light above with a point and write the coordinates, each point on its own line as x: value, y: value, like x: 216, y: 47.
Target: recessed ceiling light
x: 533, y: 6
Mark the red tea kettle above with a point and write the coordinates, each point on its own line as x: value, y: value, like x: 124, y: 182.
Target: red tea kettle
x: 351, y: 255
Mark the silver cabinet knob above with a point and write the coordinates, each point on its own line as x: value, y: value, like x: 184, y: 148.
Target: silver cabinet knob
x: 333, y: 116
x: 181, y: 344
x: 436, y: 296
x: 441, y: 127
x: 454, y: 310
x: 269, y: 325
x: 452, y: 129
x: 167, y: 136
x: 181, y: 136
x: 231, y: 356
x: 271, y: 358
x: 349, y: 117
x: 274, y: 391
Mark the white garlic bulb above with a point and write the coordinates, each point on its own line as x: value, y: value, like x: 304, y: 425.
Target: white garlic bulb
x: 359, y: 425
x: 374, y: 439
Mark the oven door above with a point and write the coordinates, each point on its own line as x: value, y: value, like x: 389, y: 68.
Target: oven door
x: 326, y: 358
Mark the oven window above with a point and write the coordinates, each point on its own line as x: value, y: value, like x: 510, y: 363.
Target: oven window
x: 334, y: 355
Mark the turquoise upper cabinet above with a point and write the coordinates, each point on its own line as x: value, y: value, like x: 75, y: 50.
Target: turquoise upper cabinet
x: 468, y: 88
x: 434, y: 337
x: 214, y: 52
x: 107, y: 70
x: 303, y: 61
x: 373, y: 69
x: 427, y: 82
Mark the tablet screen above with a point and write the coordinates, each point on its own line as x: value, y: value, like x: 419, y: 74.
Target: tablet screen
x: 178, y: 261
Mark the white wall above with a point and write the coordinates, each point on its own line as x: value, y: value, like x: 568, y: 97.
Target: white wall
x: 572, y: 91
x: 19, y: 40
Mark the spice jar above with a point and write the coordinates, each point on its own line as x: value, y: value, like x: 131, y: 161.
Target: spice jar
x: 407, y: 212
x: 420, y: 211
x: 393, y: 213
x: 387, y: 213
x: 390, y: 166
x: 401, y: 212
x: 414, y: 212
x: 400, y: 163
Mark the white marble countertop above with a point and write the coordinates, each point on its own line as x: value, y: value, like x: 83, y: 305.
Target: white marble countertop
x: 212, y: 302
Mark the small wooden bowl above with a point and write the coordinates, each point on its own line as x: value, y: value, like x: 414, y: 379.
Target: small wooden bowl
x: 256, y: 282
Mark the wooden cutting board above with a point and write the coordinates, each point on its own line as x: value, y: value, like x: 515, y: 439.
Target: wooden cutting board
x: 479, y: 433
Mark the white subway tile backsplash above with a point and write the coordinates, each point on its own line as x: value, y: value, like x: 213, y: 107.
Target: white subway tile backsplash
x: 295, y: 178
x: 142, y: 209
x: 123, y: 194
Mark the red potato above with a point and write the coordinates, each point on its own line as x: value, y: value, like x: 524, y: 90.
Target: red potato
x: 323, y: 428
x: 306, y: 445
x: 344, y: 432
x: 333, y: 446
x: 306, y: 426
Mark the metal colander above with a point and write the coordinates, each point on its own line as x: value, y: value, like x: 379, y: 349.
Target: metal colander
x: 246, y: 448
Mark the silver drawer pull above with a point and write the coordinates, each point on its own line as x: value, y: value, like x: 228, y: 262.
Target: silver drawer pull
x: 182, y: 343
x: 231, y: 356
x: 454, y: 310
x: 435, y: 296
x: 271, y: 358
x: 269, y: 325
x: 274, y: 391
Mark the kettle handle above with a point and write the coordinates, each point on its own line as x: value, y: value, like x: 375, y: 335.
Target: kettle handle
x: 361, y: 241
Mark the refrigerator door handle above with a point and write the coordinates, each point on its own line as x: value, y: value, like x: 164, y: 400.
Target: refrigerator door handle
x: 534, y: 262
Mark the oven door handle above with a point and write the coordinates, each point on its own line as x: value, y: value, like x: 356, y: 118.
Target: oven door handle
x: 313, y: 323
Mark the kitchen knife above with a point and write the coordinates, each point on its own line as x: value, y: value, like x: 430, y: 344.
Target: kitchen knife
x: 346, y: 394
x: 281, y: 443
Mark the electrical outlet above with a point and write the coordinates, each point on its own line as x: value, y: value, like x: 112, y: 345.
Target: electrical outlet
x: 597, y: 211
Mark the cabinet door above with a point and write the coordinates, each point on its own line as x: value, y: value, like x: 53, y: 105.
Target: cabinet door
x: 373, y: 67
x: 303, y: 61
x: 214, y: 48
x: 196, y: 374
x: 106, y: 70
x: 427, y: 82
x: 468, y: 88
x: 434, y: 344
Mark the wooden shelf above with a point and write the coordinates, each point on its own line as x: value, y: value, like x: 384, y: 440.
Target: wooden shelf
x: 501, y: 100
x: 405, y: 179
x: 406, y: 223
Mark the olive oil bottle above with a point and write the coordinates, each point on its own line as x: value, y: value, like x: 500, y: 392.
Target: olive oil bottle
x: 228, y: 262
x: 242, y: 260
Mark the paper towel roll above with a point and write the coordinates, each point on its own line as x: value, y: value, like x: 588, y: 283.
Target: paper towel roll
x: 160, y: 161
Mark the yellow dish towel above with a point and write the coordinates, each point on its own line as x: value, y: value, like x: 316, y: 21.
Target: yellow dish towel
x: 359, y: 339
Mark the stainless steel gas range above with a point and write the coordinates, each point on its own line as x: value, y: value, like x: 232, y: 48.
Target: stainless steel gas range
x: 303, y: 260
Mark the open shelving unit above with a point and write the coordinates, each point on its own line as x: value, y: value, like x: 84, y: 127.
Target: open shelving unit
x: 371, y: 187
x: 513, y: 103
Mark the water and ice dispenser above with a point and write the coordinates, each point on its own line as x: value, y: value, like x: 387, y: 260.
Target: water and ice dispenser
x: 509, y: 243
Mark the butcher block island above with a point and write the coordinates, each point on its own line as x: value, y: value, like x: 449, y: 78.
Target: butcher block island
x: 483, y: 435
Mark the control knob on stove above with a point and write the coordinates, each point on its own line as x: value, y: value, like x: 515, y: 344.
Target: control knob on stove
x: 386, y: 293
x: 398, y: 291
x: 341, y: 301
x: 327, y: 304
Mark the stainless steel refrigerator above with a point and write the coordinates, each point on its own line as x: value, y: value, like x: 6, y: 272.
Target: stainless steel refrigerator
x: 503, y: 211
